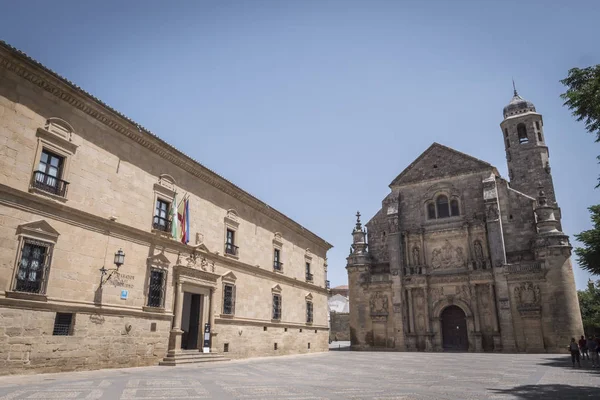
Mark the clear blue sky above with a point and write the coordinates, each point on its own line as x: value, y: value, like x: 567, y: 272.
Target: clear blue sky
x: 315, y: 106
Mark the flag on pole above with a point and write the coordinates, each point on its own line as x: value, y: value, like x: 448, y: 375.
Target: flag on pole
x: 181, y: 218
x: 187, y: 220
x: 173, y: 215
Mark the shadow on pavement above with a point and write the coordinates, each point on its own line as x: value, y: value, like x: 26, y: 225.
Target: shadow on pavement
x: 565, y: 362
x: 550, y: 392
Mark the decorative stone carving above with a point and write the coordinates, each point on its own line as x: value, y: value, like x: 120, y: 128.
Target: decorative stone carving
x: 479, y: 257
x: 193, y: 260
x: 416, y: 256
x: 464, y: 291
x: 447, y: 257
x: 528, y: 296
x: 435, y: 294
x: 393, y: 224
x: 491, y: 212
x: 391, y: 203
x: 379, y: 304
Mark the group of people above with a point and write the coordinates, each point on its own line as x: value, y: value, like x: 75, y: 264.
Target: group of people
x: 585, y: 348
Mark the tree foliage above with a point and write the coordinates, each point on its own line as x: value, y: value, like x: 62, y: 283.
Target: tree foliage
x: 589, y: 303
x: 589, y: 254
x: 583, y: 96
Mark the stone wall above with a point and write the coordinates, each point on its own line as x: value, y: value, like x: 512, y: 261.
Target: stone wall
x: 339, y: 326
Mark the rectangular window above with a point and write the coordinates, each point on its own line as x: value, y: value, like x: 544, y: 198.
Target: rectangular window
x: 33, y: 266
x: 309, y: 276
x: 63, y: 324
x: 156, y: 288
x: 309, y: 312
x: 161, y: 216
x: 228, y: 299
x: 276, y: 260
x: 537, y: 125
x: 230, y: 247
x: 276, y: 307
x: 49, y: 173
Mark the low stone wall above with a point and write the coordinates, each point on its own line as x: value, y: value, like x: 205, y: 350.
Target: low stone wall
x: 27, y: 344
x: 340, y: 326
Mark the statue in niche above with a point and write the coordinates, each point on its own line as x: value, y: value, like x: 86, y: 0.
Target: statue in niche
x: 416, y: 256
x: 479, y: 257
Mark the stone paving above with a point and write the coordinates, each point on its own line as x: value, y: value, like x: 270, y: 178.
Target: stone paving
x: 334, y: 375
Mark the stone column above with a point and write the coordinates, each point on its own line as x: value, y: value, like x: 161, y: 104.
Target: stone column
x: 211, y: 319
x: 476, y: 320
x: 411, y: 320
x: 176, y: 332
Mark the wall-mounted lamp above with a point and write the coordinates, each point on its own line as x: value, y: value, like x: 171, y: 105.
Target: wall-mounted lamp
x: 119, y: 260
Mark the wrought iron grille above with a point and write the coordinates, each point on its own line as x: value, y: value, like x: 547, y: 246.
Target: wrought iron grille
x: 309, y: 311
x: 228, y: 299
x: 309, y: 276
x: 230, y: 248
x: 156, y: 288
x: 277, y: 265
x: 276, y: 306
x: 49, y: 183
x: 161, y: 223
x: 327, y: 285
x: 33, y: 266
x: 62, y: 324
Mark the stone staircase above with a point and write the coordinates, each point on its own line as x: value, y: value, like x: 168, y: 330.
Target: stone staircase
x: 191, y: 357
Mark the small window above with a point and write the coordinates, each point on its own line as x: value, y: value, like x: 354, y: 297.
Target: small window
x: 49, y: 173
x: 507, y: 143
x: 228, y: 299
x: 309, y: 312
x: 161, y: 216
x: 63, y: 324
x: 431, y: 211
x: 285, y: 329
x: 309, y: 345
x: 156, y: 288
x: 522, y: 133
x: 505, y: 133
x: 230, y: 247
x: 309, y: 276
x: 34, y: 265
x: 274, y: 346
x: 454, y: 211
x: 537, y: 125
x: 153, y: 327
x: 442, y: 207
x: 276, y: 307
x: 540, y: 139
x: 300, y: 330
x: 225, y: 347
x: 264, y: 328
x: 277, y: 260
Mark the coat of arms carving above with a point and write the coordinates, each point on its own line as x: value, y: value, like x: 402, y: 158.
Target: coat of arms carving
x: 379, y: 304
x: 528, y: 295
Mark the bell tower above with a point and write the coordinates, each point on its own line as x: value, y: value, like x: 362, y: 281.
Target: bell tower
x: 527, y: 155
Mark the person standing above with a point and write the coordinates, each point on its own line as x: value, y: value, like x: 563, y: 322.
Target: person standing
x: 592, y: 346
x: 583, y: 348
x: 574, y: 348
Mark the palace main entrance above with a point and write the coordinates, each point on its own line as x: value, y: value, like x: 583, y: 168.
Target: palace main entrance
x: 454, y: 329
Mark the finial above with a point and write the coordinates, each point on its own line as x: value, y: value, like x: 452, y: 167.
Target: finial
x: 358, y: 225
x: 514, y: 88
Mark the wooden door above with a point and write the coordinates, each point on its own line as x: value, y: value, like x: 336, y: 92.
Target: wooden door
x: 454, y: 329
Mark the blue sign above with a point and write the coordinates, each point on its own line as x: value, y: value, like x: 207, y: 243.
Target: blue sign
x: 124, y: 294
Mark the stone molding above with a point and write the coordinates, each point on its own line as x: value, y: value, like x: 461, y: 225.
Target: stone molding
x: 45, y: 208
x: 267, y: 322
x: 30, y: 70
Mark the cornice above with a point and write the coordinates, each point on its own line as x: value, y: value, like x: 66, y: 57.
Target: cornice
x: 45, y: 207
x: 31, y: 70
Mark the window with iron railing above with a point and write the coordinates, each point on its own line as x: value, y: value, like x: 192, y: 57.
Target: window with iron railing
x: 327, y: 285
x: 277, y: 264
x: 230, y: 247
x: 49, y: 173
x: 276, y: 307
x: 34, y: 264
x: 228, y: 299
x: 156, y: 288
x: 63, y: 324
x: 161, y: 216
x: 309, y: 276
x: 309, y: 312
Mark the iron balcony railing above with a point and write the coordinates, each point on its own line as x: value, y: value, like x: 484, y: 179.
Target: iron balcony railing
x: 327, y: 285
x: 49, y: 183
x: 277, y: 265
x: 230, y: 248
x: 161, y: 224
x: 309, y: 276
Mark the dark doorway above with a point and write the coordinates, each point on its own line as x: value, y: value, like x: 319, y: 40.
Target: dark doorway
x: 454, y: 329
x: 190, y: 336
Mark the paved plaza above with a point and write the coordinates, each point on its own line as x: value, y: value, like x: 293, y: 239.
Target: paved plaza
x: 333, y: 375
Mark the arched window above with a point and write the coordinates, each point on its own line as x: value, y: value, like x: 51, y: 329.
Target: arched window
x: 522, y: 132
x: 431, y: 211
x: 454, y: 211
x: 442, y: 207
x: 540, y: 138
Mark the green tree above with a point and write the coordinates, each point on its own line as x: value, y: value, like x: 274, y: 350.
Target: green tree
x: 589, y: 303
x: 589, y: 254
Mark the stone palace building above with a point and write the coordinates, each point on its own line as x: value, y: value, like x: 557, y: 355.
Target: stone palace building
x: 92, y: 276
x: 459, y: 258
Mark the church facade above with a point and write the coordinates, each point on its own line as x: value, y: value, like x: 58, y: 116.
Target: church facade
x: 459, y: 258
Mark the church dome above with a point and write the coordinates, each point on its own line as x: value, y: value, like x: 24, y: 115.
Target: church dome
x: 518, y: 105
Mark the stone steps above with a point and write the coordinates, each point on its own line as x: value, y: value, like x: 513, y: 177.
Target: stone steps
x: 191, y: 357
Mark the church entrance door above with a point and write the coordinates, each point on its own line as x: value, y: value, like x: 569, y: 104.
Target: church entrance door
x: 454, y: 329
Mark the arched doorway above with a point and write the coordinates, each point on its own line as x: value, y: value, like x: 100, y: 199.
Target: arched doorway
x: 454, y: 329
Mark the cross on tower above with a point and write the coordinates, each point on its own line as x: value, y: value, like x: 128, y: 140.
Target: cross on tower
x: 358, y: 216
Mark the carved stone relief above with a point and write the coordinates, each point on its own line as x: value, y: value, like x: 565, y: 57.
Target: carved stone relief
x: 528, y: 295
x: 479, y: 257
x: 447, y: 257
x: 379, y: 304
x: 393, y: 224
x: 491, y: 212
x: 416, y: 256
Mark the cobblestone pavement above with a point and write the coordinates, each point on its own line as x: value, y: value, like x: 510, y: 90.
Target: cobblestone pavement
x: 333, y: 375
